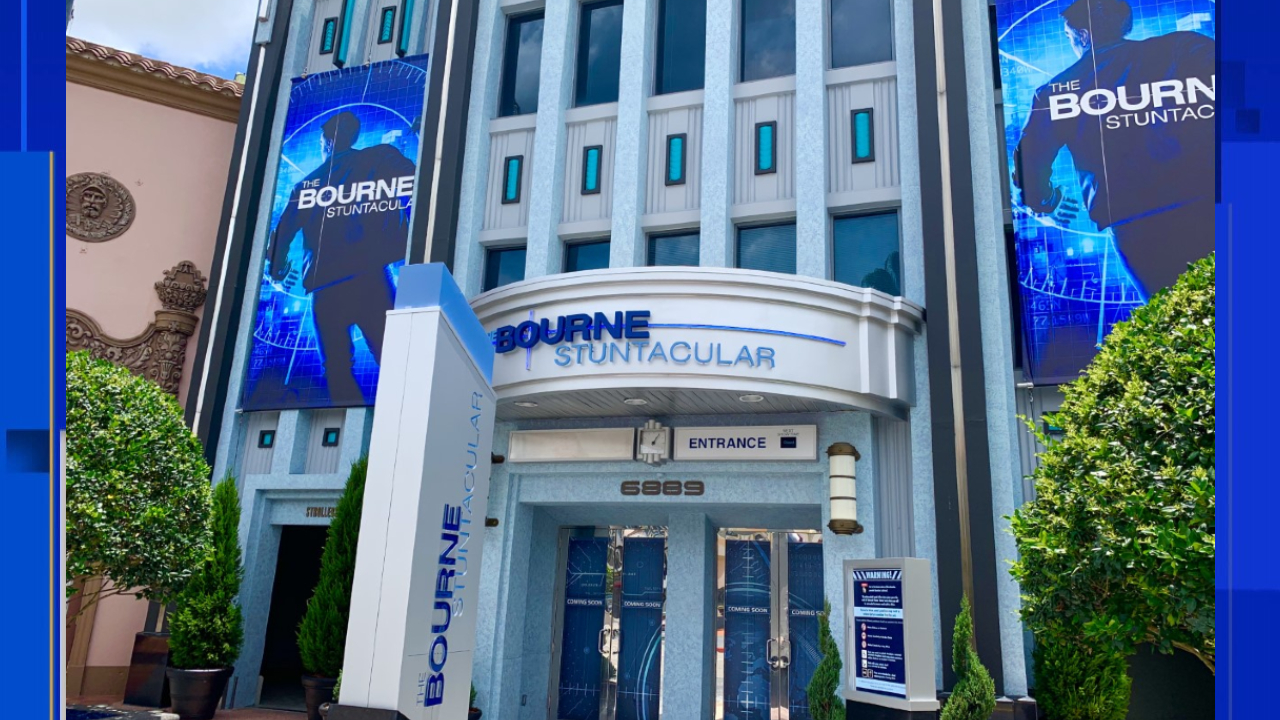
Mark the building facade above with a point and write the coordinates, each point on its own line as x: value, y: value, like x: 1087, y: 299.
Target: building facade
x: 143, y: 140
x: 713, y: 240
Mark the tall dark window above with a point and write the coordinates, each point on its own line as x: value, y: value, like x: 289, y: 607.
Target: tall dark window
x: 503, y: 266
x: 521, y: 63
x: 769, y: 247
x: 682, y: 46
x: 865, y: 252
x: 599, y: 53
x: 674, y: 249
x: 861, y: 32
x: 586, y: 256
x: 768, y: 39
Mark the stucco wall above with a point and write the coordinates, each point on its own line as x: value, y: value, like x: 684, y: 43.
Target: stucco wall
x: 175, y: 164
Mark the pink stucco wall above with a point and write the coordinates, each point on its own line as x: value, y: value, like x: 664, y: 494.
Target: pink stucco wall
x: 175, y: 164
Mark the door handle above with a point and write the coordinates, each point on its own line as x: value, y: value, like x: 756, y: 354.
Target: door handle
x: 769, y: 654
x: 603, y: 641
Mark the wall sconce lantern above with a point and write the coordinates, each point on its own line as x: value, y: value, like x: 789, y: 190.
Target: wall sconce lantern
x: 844, y: 501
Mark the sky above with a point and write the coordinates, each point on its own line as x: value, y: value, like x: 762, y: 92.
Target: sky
x: 212, y: 36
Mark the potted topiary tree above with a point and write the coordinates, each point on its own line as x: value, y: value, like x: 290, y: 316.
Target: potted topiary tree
x: 473, y: 712
x: 974, y: 694
x: 824, y: 701
x: 206, y: 629
x: 137, y: 502
x: 322, y: 634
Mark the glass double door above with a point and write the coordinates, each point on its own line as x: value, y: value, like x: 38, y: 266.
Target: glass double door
x: 607, y: 660
x: 770, y: 597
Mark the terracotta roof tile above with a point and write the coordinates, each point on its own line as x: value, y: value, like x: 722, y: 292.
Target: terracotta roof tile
x: 138, y: 63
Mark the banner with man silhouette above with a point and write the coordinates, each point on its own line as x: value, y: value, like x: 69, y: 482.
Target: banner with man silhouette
x: 1109, y: 112
x: 338, y: 235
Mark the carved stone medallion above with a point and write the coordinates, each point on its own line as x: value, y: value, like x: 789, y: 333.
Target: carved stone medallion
x: 98, y: 207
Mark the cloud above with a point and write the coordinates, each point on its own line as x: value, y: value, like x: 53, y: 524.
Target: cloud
x: 210, y: 36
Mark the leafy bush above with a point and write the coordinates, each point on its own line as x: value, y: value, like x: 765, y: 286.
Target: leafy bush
x: 471, y: 704
x: 1118, y: 547
x: 207, y: 629
x: 137, y: 483
x: 1076, y: 683
x: 974, y: 694
x: 322, y: 634
x: 825, y: 702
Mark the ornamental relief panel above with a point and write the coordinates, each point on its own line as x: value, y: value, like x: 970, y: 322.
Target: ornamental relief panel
x: 159, y: 351
x: 99, y: 208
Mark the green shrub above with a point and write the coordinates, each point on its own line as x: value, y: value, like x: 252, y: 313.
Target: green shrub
x: 471, y: 704
x: 206, y: 629
x: 1118, y: 547
x: 322, y: 634
x: 137, y: 496
x: 974, y: 694
x: 1074, y: 682
x: 825, y: 702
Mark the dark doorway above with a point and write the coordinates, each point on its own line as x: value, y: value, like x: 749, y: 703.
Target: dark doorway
x: 297, y: 570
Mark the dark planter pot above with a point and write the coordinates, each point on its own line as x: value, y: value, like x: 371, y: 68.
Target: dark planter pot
x: 195, y: 693
x: 474, y: 714
x: 319, y: 691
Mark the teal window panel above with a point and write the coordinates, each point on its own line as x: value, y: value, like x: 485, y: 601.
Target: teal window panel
x: 676, y: 145
x: 386, y: 25
x: 328, y: 35
x: 512, y: 170
x: 864, y: 139
x: 766, y: 148
x: 591, y: 169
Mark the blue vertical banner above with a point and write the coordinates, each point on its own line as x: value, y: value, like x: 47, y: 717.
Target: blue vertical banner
x: 1109, y: 109
x: 805, y: 599
x: 644, y: 574
x: 339, y: 233
x: 746, y: 629
x: 585, y: 589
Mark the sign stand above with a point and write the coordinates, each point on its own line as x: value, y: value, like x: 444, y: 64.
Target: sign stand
x: 411, y: 635
x: 889, y: 639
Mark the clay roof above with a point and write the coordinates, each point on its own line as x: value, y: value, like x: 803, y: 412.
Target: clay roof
x: 155, y: 68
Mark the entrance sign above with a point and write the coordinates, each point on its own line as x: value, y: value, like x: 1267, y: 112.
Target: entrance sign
x: 1109, y: 112
x: 773, y: 442
x: 414, y: 597
x: 889, y: 629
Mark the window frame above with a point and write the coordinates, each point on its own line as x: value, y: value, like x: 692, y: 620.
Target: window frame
x: 584, y: 32
x: 382, y: 21
x: 604, y: 240
x: 684, y: 160
x: 864, y: 213
x: 586, y: 153
x: 506, y: 169
x: 324, y: 26
x: 830, y: 39
x: 853, y: 135
x: 660, y: 47
x: 512, y: 20
x: 737, y: 242
x: 742, y: 44
x: 773, y: 140
x: 694, y: 232
x: 489, y: 252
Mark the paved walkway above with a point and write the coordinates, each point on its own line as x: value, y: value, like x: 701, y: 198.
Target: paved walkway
x: 97, y: 709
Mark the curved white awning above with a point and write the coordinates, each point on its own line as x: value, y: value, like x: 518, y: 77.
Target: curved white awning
x: 695, y: 341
